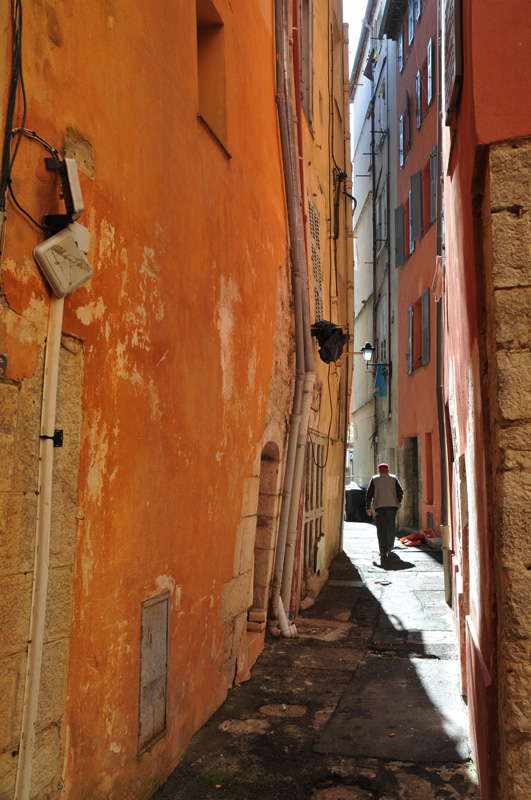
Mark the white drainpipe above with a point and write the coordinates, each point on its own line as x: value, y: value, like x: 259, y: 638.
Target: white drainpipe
x: 41, y: 564
x: 294, y: 471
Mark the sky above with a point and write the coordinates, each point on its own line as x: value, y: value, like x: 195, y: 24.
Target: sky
x: 353, y: 11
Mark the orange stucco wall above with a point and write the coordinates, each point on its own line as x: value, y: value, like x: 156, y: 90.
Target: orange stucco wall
x: 176, y: 371
x: 177, y: 326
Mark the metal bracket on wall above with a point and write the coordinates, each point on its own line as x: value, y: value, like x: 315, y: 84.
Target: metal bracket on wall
x: 57, y: 438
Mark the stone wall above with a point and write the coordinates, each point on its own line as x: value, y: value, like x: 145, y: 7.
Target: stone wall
x: 20, y: 406
x: 507, y: 224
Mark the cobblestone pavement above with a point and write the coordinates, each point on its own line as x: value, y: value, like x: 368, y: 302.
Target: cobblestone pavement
x: 363, y: 705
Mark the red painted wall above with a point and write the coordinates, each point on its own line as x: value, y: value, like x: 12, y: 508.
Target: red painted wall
x: 494, y: 107
x: 417, y: 415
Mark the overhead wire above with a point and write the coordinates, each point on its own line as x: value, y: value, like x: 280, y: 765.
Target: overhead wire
x: 16, y: 134
x: 17, y: 78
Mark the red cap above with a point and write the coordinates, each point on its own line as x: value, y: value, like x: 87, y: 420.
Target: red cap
x: 382, y: 467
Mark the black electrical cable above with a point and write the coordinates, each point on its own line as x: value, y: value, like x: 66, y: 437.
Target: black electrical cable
x: 35, y: 136
x: 8, y: 158
x: 26, y: 213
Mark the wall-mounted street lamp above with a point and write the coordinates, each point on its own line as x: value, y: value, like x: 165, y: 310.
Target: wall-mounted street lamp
x: 367, y: 352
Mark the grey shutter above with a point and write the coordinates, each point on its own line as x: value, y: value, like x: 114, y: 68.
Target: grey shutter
x: 425, y: 327
x: 453, y: 56
x: 410, y: 323
x: 430, y: 72
x: 416, y: 206
x: 408, y: 120
x: 400, y: 255
x: 433, y: 184
x: 418, y: 96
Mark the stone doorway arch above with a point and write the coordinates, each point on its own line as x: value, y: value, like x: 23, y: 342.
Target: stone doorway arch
x: 265, y: 538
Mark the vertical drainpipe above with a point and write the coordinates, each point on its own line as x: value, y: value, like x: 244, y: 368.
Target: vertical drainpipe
x: 374, y: 242
x: 303, y: 346
x: 441, y: 415
x: 389, y: 242
x: 41, y: 566
x: 348, y: 238
x: 309, y: 375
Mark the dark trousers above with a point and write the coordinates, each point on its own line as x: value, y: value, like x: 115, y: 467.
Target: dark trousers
x: 385, y: 527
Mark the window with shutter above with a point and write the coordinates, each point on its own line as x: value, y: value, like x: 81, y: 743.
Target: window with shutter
x: 381, y: 218
x: 410, y: 322
x: 382, y: 313
x: 418, y: 95
x: 433, y: 184
x: 430, y: 73
x: 416, y: 206
x: 306, y: 66
x: 425, y: 327
x: 408, y: 120
x: 314, y: 505
x: 400, y: 254
x: 401, y: 139
x: 411, y: 239
x: 401, y: 50
x: 315, y: 239
x: 410, y: 22
x: 453, y: 57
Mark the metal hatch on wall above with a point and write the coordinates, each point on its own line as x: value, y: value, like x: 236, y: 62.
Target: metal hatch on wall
x: 154, y: 652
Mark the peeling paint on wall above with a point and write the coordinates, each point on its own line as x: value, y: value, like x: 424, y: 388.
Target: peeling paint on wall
x: 89, y: 313
x: 229, y: 296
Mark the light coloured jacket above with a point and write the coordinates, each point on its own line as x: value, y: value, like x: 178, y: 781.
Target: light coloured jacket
x: 384, y: 491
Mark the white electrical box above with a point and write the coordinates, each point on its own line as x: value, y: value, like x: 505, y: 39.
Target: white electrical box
x: 81, y: 236
x: 63, y: 264
x: 75, y: 188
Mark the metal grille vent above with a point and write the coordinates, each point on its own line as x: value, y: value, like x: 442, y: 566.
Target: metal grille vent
x: 315, y: 237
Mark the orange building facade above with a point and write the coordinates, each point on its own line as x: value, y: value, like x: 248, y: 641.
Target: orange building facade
x: 140, y: 555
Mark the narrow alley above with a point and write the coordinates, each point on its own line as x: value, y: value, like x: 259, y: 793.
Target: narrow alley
x: 364, y: 704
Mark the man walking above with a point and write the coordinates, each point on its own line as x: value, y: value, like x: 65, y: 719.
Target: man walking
x: 385, y: 494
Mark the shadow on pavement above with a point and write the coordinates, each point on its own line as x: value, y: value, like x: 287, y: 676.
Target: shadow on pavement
x: 363, y: 703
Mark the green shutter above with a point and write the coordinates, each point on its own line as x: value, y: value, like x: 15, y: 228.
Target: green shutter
x: 416, y: 206
x: 425, y: 327
x: 400, y: 255
x: 410, y: 323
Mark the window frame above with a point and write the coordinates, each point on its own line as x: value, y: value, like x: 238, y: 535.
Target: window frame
x: 418, y: 333
x: 400, y: 244
x: 434, y: 185
x: 411, y: 240
x: 306, y: 58
x: 401, y: 154
x: 416, y: 207
x: 418, y: 97
x: 408, y: 121
x: 430, y: 73
x: 410, y: 23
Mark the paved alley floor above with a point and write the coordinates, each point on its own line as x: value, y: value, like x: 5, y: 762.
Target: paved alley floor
x: 363, y: 705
